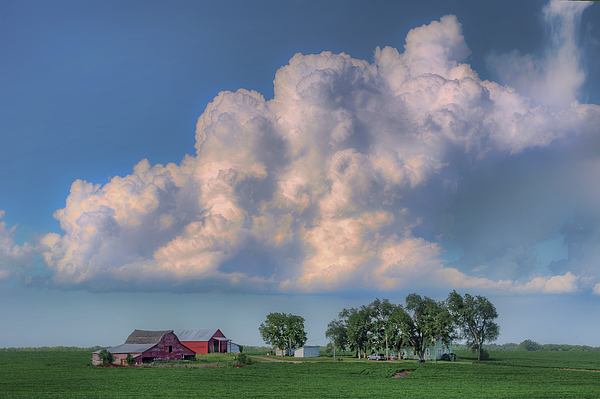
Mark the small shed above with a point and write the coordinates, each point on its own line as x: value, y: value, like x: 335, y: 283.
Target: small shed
x: 232, y: 347
x: 148, y: 346
x: 284, y: 352
x: 307, y: 351
x: 204, y: 340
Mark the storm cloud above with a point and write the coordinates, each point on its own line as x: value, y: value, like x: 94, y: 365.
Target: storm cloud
x: 406, y: 171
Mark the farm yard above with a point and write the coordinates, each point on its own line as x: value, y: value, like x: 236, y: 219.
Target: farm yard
x: 506, y: 375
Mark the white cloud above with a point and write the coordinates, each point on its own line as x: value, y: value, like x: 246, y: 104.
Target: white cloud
x: 333, y: 183
x: 555, y: 76
x: 14, y: 259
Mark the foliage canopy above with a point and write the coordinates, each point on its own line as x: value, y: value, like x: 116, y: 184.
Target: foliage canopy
x: 284, y: 331
x: 382, y: 325
x: 474, y: 317
x: 105, y: 357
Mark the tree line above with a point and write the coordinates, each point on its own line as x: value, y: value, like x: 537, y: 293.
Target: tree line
x: 51, y: 349
x: 529, y: 345
x: 383, y: 326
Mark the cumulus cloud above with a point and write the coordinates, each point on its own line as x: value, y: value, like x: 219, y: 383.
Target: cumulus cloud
x: 351, y: 176
x: 13, y: 258
x: 554, y: 76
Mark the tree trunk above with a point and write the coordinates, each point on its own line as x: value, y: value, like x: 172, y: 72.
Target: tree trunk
x: 334, y: 347
x: 387, y: 354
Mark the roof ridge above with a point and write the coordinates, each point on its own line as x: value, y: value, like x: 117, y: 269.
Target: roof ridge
x: 146, y: 336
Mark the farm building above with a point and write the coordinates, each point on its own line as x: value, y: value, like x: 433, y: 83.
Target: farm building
x: 435, y: 351
x: 286, y: 352
x: 307, y: 351
x: 233, y: 348
x: 205, y: 340
x: 148, y: 346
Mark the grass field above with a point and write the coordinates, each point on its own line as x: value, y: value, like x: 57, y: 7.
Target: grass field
x: 575, y: 360
x: 506, y: 375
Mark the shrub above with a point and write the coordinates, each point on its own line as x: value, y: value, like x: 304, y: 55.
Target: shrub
x: 106, y: 357
x: 484, y: 355
x: 243, y: 359
x: 129, y: 360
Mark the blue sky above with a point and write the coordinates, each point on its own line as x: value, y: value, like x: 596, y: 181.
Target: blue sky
x: 453, y: 145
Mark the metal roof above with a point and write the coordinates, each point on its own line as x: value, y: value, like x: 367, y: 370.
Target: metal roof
x: 129, y: 348
x: 200, y: 334
x: 143, y: 337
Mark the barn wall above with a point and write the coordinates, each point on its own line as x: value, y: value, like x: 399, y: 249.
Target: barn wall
x: 121, y: 358
x: 197, y: 346
x: 201, y: 347
x: 212, y: 343
x: 161, y: 350
x: 222, y: 344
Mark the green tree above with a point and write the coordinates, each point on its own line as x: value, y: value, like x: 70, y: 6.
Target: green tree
x: 426, y: 320
x: 380, y: 312
x: 283, y: 331
x: 529, y: 345
x: 295, y: 334
x: 368, y: 328
x: 329, y: 348
x: 130, y: 361
x: 338, y: 334
x: 358, y: 326
x: 397, y: 320
x: 106, y: 357
x: 272, y: 330
x: 474, y: 317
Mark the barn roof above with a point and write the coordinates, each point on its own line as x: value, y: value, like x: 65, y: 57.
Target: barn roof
x: 129, y: 348
x: 142, y: 337
x: 199, y: 334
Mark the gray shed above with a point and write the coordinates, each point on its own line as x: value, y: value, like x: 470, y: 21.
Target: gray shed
x: 307, y: 351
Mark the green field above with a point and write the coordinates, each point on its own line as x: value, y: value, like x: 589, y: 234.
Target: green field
x: 506, y: 375
x: 570, y: 360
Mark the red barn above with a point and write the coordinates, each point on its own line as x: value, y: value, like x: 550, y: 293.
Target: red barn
x: 204, y: 340
x: 148, y: 346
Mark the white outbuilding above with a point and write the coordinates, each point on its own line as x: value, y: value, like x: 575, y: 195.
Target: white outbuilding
x: 307, y: 351
x: 282, y: 352
x: 233, y: 347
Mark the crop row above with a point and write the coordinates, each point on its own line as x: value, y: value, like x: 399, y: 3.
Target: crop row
x: 70, y: 375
